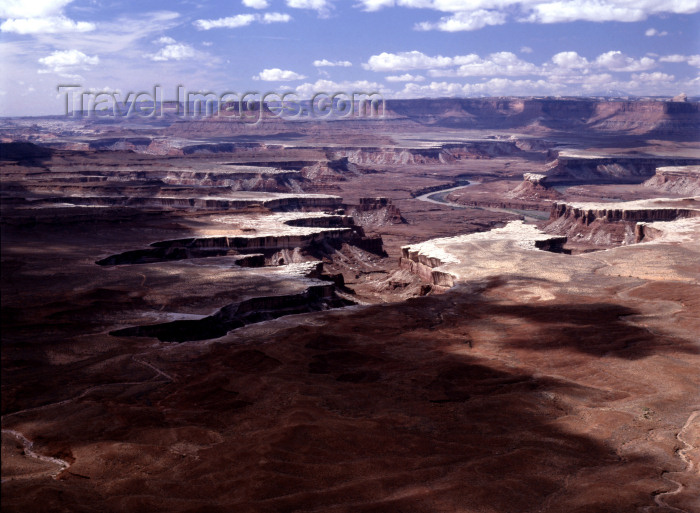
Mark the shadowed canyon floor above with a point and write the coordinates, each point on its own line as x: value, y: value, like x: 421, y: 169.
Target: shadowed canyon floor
x: 455, y: 312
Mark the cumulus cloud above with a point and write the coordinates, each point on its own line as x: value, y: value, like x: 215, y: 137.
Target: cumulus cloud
x: 480, y: 13
x: 63, y: 61
x: 405, y: 61
x: 34, y: 9
x: 52, y: 25
x: 571, y: 72
x: 39, y: 17
x: 674, y: 58
x: 375, y: 5
x: 614, y: 60
x: 275, y: 17
x: 278, y: 75
x: 464, y: 21
x: 406, y: 77
x: 239, y: 20
x: 575, y: 10
x: 693, y: 60
x: 492, y: 87
x: 308, y: 89
x: 256, y: 4
x: 326, y: 63
x: 570, y: 60
x: 242, y: 20
x: 656, y: 76
x: 525, y: 49
x: 173, y: 52
x: 653, y: 32
x: 323, y: 7
x: 617, y: 61
x: 500, y: 63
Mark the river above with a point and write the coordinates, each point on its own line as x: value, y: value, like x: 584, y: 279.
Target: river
x: 439, y: 197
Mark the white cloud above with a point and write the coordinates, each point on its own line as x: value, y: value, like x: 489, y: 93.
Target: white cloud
x: 51, y: 25
x: 656, y: 76
x: 321, y: 6
x: 653, y: 32
x: 39, y: 17
x: 525, y: 49
x: 406, y: 61
x: 565, y: 73
x: 239, y: 20
x: 327, y: 63
x: 256, y: 4
x: 589, y: 83
x: 278, y: 75
x: 242, y: 20
x: 375, y: 5
x: 275, y: 17
x: 492, y: 87
x: 406, y: 77
x: 692, y: 60
x: 587, y: 10
x: 473, y: 14
x: 614, y: 60
x: 500, y: 63
x: 62, y: 61
x: 33, y: 9
x: 570, y: 60
x: 674, y: 58
x: 308, y: 90
x: 463, y: 21
x: 617, y: 61
x: 173, y: 52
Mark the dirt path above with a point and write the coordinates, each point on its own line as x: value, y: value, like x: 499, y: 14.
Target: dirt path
x: 29, y: 452
x: 660, y: 499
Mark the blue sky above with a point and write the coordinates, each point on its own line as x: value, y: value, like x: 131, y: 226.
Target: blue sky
x: 400, y: 48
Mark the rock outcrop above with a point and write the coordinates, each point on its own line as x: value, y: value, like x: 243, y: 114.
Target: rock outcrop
x: 534, y: 187
x: 439, y: 154
x: 571, y: 168
x: 375, y: 212
x: 315, y: 298
x: 442, y: 262
x: 607, y: 224
x: 681, y: 180
x: 281, y: 239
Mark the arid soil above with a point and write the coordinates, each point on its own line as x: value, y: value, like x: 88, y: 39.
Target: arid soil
x: 466, y: 307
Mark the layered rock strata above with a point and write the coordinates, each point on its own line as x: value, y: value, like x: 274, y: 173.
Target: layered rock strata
x: 683, y: 180
x: 442, y: 262
x: 577, y: 168
x: 280, y: 238
x: 615, y: 223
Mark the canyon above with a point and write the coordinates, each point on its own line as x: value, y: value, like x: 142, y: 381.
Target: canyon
x: 482, y: 305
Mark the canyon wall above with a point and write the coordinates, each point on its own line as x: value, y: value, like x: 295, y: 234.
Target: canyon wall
x: 606, y: 224
x: 682, y: 180
x: 572, y: 169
